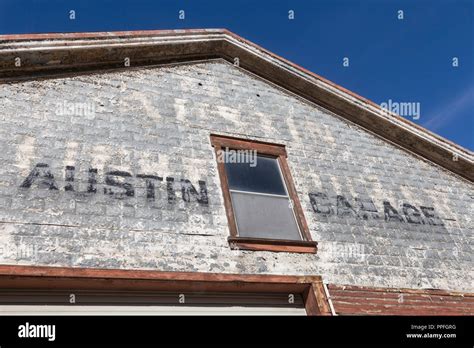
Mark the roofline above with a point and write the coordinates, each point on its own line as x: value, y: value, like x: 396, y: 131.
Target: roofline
x: 50, y: 54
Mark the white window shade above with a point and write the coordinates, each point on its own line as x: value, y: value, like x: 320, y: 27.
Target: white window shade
x: 264, y: 216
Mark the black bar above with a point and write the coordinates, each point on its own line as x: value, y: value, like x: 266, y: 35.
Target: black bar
x: 192, y: 330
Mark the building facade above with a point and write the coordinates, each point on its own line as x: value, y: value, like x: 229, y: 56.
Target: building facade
x: 113, y: 179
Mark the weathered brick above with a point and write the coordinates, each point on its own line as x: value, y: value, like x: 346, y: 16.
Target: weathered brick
x: 158, y: 123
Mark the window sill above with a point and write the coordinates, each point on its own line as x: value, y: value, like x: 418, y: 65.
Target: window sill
x: 277, y: 245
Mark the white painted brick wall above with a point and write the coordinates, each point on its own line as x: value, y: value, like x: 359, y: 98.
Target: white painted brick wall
x: 158, y: 121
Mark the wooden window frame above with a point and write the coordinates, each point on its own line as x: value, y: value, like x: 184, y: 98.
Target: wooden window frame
x: 306, y: 245
x: 311, y: 288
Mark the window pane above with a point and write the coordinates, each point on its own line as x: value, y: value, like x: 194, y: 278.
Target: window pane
x: 261, y: 216
x: 263, y: 177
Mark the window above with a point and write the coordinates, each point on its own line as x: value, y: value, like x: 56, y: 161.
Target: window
x: 261, y: 203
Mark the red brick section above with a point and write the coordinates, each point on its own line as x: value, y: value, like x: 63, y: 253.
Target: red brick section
x: 359, y: 300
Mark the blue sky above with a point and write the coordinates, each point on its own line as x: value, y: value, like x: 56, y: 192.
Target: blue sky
x: 407, y: 60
